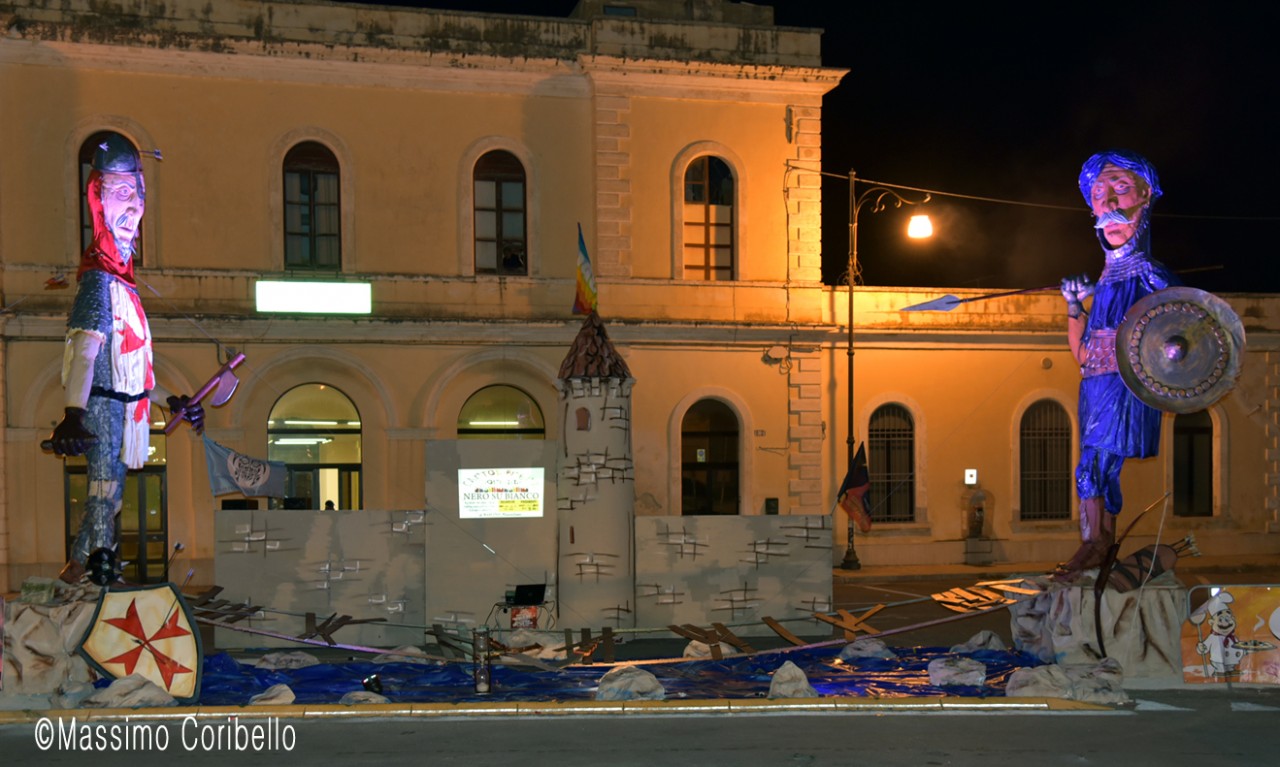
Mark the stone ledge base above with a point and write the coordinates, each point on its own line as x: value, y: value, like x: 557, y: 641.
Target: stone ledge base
x: 1141, y: 629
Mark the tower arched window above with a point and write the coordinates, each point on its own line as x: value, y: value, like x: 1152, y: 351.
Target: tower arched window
x: 1044, y: 451
x: 891, y: 461
x: 501, y: 240
x: 709, y: 475
x: 312, y: 208
x: 709, y: 219
x: 315, y: 430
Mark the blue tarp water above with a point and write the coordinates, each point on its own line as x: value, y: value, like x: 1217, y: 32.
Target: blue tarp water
x: 229, y: 682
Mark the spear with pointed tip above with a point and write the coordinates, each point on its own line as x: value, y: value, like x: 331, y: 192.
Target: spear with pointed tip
x: 948, y: 302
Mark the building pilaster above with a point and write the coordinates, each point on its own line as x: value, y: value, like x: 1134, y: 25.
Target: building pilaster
x: 1271, y: 416
x: 612, y: 254
x: 805, y: 434
x: 803, y: 184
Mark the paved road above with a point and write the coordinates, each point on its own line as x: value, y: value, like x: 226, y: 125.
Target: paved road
x: 858, y: 592
x: 1169, y: 728
x: 908, y: 604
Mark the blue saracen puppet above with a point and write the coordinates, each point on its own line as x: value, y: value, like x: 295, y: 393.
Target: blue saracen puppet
x: 1120, y: 187
x: 107, y: 364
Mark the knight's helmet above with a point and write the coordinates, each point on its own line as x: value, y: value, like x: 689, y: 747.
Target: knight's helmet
x: 116, y: 154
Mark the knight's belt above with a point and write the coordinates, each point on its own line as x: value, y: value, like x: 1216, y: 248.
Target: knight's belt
x: 1099, y: 354
x: 98, y: 391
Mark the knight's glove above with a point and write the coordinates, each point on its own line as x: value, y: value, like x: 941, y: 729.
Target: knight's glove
x: 181, y: 406
x: 1075, y: 290
x: 70, y: 437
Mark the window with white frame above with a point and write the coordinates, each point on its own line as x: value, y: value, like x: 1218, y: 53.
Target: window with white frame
x: 501, y: 241
x: 312, y: 208
x: 708, y: 226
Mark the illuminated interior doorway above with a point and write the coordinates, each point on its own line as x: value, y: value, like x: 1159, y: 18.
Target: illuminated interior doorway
x: 315, y: 430
x: 500, y: 412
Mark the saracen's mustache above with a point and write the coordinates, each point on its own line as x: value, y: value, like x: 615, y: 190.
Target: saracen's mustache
x: 1111, y: 217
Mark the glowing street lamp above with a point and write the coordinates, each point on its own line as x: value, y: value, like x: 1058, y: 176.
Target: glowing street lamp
x: 920, y: 227
x: 879, y: 196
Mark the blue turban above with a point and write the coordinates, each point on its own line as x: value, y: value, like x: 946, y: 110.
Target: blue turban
x: 1121, y: 158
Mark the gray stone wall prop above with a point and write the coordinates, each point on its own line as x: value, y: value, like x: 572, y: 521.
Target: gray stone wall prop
x: 734, y: 570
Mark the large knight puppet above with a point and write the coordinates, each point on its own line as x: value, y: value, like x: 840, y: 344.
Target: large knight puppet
x: 107, y: 363
x: 1120, y: 188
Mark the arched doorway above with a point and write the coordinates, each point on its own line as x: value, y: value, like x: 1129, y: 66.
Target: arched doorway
x: 315, y: 430
x: 709, y: 460
x: 500, y: 412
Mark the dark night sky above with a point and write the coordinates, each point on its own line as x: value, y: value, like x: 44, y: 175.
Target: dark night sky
x: 1007, y: 101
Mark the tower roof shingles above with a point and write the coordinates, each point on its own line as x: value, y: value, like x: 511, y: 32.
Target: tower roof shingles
x: 592, y: 355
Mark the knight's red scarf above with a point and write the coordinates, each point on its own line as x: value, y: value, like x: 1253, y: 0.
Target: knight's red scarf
x: 102, y: 253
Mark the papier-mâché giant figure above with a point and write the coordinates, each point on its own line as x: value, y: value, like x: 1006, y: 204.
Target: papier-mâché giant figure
x: 107, y: 364
x: 1120, y: 187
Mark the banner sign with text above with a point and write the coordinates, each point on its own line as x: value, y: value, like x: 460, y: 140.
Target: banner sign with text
x: 500, y: 493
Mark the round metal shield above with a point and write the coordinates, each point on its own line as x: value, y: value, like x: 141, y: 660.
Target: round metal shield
x: 1179, y: 349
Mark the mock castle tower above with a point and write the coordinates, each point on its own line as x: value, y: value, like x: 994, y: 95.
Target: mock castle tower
x: 595, y: 484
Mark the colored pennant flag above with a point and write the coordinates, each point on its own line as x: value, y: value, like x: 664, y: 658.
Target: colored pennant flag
x: 852, y: 496
x: 232, y: 472
x: 584, y: 298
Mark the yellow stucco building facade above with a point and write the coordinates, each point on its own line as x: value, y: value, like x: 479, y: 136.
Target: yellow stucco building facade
x: 446, y: 160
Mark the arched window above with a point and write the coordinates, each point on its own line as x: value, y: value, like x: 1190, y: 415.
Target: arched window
x: 142, y: 526
x: 891, y: 461
x: 315, y: 429
x: 709, y: 460
x: 312, y: 208
x: 1045, y: 477
x: 709, y: 203
x: 500, y: 412
x: 500, y: 221
x: 87, y: 150
x: 1193, y: 465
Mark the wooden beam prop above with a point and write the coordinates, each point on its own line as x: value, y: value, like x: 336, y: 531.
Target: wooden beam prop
x: 710, y: 639
x: 606, y: 634
x: 732, y: 638
x: 451, y: 645
x: 781, y: 631
x: 326, y: 628
x: 851, y: 624
x: 983, y: 596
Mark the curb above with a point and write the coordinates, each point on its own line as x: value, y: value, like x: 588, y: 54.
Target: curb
x: 566, y: 708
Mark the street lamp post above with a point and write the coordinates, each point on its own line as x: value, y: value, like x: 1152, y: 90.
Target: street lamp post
x: 879, y: 196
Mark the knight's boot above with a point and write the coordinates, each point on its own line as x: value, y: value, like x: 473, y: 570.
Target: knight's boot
x: 1097, y: 533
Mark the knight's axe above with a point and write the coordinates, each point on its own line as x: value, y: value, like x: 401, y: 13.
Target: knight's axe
x: 223, y: 384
